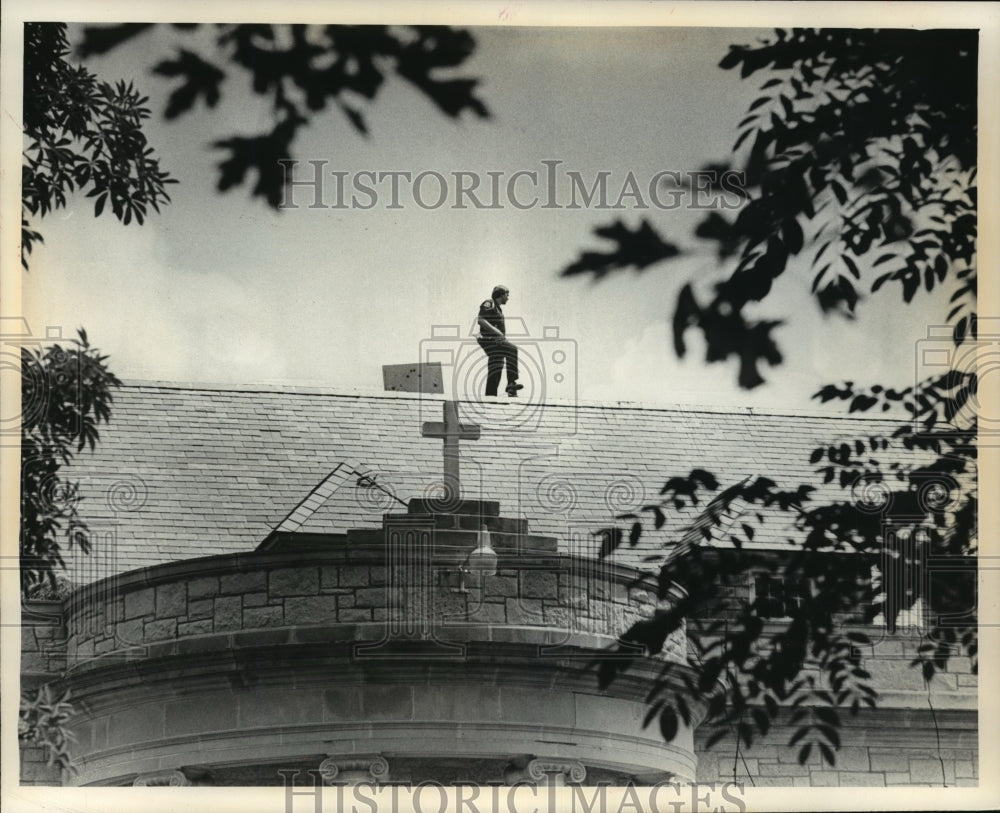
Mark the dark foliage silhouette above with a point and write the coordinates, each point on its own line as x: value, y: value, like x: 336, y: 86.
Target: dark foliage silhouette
x: 859, y: 156
x: 300, y: 71
x: 65, y: 395
x: 66, y: 392
x: 82, y: 134
x: 637, y: 249
x: 43, y: 721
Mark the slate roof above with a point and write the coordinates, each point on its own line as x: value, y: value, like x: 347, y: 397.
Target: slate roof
x: 184, y: 471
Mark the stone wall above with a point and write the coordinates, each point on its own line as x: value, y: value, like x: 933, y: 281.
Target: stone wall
x: 35, y: 769
x: 284, y: 654
x: 168, y: 604
x: 211, y: 634
x: 43, y: 642
x: 901, y: 742
x: 43, y: 658
x: 882, y: 749
x: 894, y: 744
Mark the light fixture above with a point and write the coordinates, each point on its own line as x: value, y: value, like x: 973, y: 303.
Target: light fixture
x: 481, y: 560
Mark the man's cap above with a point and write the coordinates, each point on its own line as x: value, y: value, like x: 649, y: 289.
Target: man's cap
x: 500, y: 289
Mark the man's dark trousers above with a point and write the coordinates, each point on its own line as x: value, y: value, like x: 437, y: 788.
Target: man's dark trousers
x: 499, y: 351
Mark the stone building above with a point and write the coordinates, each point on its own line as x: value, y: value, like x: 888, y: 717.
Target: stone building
x: 288, y: 580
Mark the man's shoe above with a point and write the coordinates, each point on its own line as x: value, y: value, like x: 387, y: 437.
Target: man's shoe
x: 513, y: 388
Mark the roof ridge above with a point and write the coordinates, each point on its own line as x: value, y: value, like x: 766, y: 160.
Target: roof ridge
x: 638, y: 406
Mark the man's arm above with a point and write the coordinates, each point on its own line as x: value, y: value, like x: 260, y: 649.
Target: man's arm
x: 485, y: 326
x: 488, y: 327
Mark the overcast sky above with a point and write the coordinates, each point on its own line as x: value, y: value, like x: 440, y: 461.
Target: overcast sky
x: 219, y: 288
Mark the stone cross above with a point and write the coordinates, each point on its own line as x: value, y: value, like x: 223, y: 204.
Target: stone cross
x: 452, y: 432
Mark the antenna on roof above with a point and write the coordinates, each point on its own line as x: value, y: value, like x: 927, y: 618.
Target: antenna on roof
x: 368, y: 481
x: 315, y: 498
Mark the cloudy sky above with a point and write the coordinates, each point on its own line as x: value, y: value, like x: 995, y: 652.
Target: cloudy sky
x: 219, y: 288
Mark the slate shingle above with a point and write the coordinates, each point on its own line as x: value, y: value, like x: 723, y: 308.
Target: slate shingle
x: 214, y: 470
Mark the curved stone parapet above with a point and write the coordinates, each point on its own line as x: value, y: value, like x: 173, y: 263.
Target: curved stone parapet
x: 168, y: 608
x: 387, y: 644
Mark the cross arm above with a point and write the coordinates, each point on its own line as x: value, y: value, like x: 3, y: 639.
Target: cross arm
x: 436, y: 429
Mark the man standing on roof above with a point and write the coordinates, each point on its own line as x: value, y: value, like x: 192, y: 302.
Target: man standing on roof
x: 493, y: 340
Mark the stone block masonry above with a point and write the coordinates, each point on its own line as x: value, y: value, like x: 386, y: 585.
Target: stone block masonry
x: 43, y: 642
x: 250, y: 642
x: 878, y: 752
x: 240, y: 594
x: 274, y: 626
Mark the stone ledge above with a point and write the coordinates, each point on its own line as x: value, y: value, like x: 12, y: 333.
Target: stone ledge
x: 42, y: 612
x: 469, y: 508
x: 219, y: 666
x: 346, y: 634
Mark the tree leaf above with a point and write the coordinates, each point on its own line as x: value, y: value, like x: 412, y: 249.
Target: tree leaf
x: 611, y: 539
x: 669, y: 725
x: 852, y: 266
